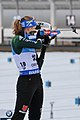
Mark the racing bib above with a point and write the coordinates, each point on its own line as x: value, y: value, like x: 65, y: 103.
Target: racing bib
x: 26, y: 63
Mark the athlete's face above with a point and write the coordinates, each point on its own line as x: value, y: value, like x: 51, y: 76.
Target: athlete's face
x: 28, y: 30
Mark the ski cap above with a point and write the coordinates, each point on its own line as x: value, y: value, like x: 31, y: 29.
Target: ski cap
x: 28, y: 24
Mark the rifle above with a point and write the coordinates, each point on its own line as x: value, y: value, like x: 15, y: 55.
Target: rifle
x: 46, y: 29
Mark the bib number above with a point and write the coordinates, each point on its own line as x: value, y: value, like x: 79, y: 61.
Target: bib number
x: 23, y: 65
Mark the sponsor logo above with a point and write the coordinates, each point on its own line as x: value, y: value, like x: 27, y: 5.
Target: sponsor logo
x: 34, y: 64
x: 33, y: 72
x: 9, y: 113
x: 20, y: 37
x: 24, y: 108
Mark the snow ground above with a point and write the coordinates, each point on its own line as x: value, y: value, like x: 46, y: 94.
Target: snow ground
x: 65, y: 85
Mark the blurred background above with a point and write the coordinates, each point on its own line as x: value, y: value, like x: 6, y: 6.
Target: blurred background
x: 61, y: 14
x: 61, y: 69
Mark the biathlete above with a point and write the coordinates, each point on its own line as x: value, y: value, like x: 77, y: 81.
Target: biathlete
x: 29, y: 84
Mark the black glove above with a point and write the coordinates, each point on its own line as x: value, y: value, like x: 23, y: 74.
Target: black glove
x: 46, y: 40
x: 39, y: 36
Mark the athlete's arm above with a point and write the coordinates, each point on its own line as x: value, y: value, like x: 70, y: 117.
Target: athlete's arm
x: 40, y: 60
x: 21, y: 42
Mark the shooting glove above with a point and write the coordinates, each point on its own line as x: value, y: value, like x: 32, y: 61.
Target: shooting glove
x: 39, y: 35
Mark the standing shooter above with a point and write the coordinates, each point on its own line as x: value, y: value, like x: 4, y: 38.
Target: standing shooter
x: 29, y: 84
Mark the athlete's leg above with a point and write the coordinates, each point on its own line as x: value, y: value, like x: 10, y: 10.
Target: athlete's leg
x: 21, y: 107
x: 36, y: 104
x: 25, y: 91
